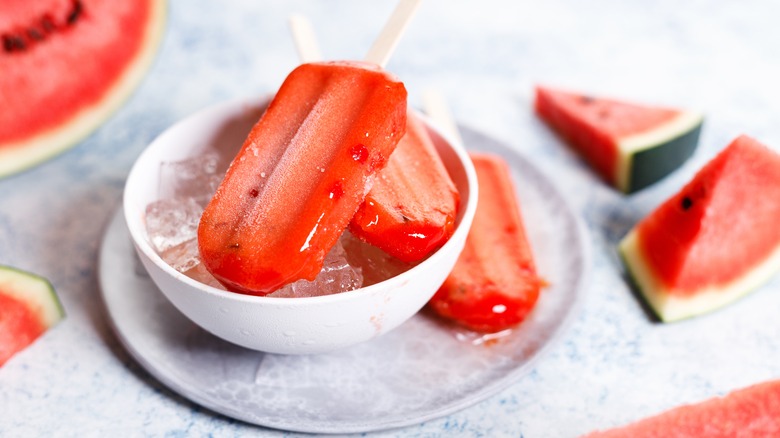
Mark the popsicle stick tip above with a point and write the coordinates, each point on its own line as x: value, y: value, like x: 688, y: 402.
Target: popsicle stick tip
x: 304, y: 38
x: 388, y: 39
x: 435, y: 105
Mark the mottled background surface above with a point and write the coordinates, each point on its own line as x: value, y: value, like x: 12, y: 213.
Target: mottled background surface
x: 614, y: 364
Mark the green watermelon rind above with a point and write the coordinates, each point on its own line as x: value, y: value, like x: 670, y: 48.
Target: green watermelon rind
x: 647, y: 157
x: 670, y: 306
x: 19, y: 156
x: 36, y: 291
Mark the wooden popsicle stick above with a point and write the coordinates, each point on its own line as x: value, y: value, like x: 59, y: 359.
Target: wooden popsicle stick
x: 437, y: 109
x: 305, y: 41
x: 385, y: 43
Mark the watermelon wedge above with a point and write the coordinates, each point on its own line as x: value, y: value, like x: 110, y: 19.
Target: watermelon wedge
x: 28, y: 307
x: 66, y: 66
x: 752, y: 412
x: 715, y: 240
x: 630, y: 146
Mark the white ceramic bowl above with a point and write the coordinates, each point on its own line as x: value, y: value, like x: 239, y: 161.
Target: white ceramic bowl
x: 285, y: 325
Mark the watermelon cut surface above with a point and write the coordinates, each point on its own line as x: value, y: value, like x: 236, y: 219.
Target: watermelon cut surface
x: 630, y: 146
x: 715, y: 240
x: 28, y: 307
x: 66, y: 66
x: 752, y: 412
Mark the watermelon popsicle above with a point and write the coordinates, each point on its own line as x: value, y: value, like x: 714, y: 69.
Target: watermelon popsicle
x: 494, y: 284
x: 301, y: 174
x: 304, y: 169
x: 411, y: 208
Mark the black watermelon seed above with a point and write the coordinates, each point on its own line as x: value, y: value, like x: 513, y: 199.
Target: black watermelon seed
x: 47, y: 23
x: 34, y: 34
x: 74, y: 14
x: 13, y: 43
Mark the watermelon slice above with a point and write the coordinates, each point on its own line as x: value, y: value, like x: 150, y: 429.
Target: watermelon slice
x: 631, y: 146
x: 751, y: 412
x: 715, y: 240
x: 28, y: 307
x: 66, y: 65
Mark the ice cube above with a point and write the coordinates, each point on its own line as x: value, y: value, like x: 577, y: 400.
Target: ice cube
x: 197, y: 177
x: 183, y: 256
x: 375, y: 264
x: 337, y: 275
x: 186, y: 186
x: 171, y: 222
x: 201, y: 274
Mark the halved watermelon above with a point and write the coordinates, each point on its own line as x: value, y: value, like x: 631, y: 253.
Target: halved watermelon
x: 631, y: 146
x: 749, y: 412
x: 28, y: 307
x: 715, y: 240
x: 66, y: 65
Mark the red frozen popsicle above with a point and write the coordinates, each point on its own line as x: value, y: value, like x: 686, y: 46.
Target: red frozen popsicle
x: 301, y: 175
x: 410, y: 210
x: 494, y: 284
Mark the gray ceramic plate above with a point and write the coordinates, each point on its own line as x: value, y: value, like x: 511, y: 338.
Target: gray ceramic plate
x: 422, y: 370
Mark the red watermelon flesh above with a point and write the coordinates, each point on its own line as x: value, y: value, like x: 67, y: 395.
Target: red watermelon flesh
x: 752, y: 412
x: 19, y: 327
x: 725, y: 221
x: 594, y: 125
x: 66, y: 64
x: 715, y: 240
x: 609, y: 133
x: 28, y: 307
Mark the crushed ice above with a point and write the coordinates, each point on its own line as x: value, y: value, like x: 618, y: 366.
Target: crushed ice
x: 185, y: 188
x: 196, y: 178
x: 337, y: 275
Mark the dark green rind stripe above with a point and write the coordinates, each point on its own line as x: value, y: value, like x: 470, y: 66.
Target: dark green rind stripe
x: 637, y: 289
x: 647, y: 305
x: 650, y: 165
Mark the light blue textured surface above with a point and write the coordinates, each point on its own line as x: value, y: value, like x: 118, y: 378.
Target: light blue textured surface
x: 614, y: 365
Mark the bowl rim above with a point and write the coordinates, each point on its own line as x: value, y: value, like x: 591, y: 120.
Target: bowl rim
x: 142, y: 244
